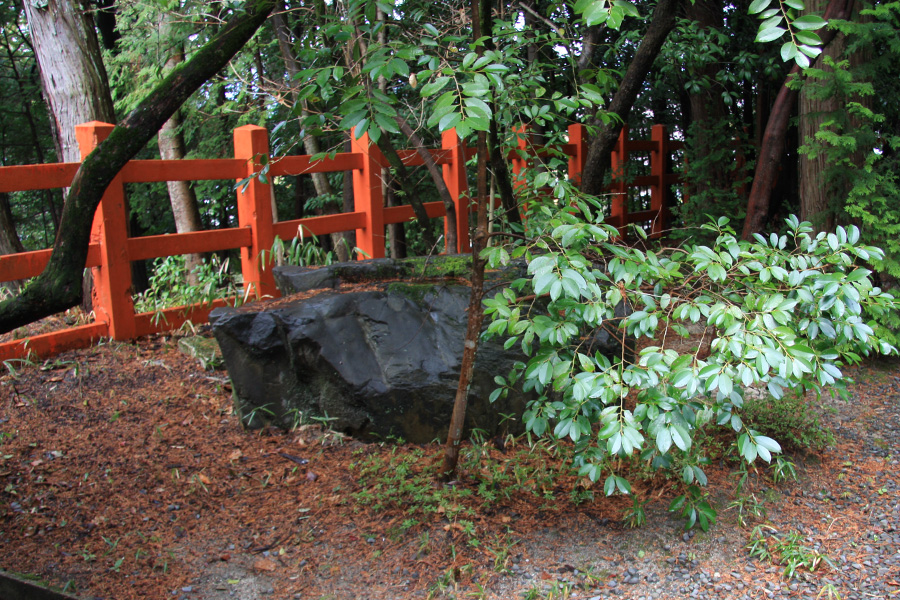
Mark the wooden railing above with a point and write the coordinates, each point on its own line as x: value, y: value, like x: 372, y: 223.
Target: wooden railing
x: 111, y: 250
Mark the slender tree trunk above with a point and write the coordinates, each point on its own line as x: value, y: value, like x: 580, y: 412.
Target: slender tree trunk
x: 402, y: 178
x: 171, y: 147
x: 450, y: 242
x: 340, y: 241
x: 59, y: 286
x: 348, y: 198
x: 597, y: 160
x: 772, y: 148
x: 9, y: 239
x: 500, y: 171
x: 397, y: 231
x: 481, y: 18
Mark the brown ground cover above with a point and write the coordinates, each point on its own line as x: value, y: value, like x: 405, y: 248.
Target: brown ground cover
x: 125, y: 474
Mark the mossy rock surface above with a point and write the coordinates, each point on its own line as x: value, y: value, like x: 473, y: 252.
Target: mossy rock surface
x: 414, y: 271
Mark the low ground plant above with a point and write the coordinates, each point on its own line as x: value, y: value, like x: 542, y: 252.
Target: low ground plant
x: 169, y: 286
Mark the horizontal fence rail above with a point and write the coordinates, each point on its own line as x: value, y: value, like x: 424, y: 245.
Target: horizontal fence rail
x: 111, y: 251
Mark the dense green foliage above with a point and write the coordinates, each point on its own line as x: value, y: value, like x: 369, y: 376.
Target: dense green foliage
x: 784, y: 312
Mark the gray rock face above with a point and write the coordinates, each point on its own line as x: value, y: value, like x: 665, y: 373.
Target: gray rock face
x: 376, y: 363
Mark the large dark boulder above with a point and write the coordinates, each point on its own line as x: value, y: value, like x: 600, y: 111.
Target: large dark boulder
x: 378, y: 359
x: 382, y: 361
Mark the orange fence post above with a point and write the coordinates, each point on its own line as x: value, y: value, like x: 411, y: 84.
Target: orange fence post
x: 254, y: 204
x: 659, y: 192
x: 111, y: 294
x: 458, y: 186
x: 368, y: 198
x: 578, y: 139
x: 618, y: 209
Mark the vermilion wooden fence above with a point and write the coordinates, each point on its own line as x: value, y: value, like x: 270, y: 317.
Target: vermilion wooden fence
x: 111, y: 250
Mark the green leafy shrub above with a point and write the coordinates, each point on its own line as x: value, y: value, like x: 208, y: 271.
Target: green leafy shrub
x: 169, y: 286
x: 783, y: 311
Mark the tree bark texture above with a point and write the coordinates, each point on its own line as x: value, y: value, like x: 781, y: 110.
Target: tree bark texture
x: 59, y: 286
x: 601, y: 147
x: 773, y: 140
x: 481, y: 20
x: 819, y: 197
x: 72, y: 72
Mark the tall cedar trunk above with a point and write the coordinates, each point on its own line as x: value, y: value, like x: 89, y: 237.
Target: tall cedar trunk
x: 339, y: 241
x: 73, y: 77
x: 171, y: 147
x: 601, y: 147
x: 772, y: 149
x: 481, y: 19
x: 708, y: 110
x: 72, y: 73
x: 59, y: 286
x: 818, y: 196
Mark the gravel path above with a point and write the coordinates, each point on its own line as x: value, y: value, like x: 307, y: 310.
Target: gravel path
x: 845, y: 509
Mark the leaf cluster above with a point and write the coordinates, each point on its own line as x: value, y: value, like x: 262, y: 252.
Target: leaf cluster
x: 783, y: 312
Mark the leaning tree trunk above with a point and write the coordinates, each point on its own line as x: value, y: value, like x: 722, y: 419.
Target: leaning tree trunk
x: 451, y: 241
x: 771, y: 151
x: 596, y: 162
x: 59, y: 286
x: 171, y: 147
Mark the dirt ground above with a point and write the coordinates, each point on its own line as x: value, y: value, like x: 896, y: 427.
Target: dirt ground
x: 125, y: 474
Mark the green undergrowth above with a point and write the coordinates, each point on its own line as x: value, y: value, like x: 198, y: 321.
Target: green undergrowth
x: 540, y: 472
x: 406, y: 478
x: 792, y: 420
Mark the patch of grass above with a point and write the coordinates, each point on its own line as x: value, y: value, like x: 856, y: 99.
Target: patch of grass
x: 791, y: 420
x: 788, y: 551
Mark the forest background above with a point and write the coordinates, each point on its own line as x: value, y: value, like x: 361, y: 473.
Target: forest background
x: 315, y: 71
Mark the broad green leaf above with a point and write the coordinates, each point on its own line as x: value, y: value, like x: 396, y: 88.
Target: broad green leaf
x: 434, y: 87
x: 663, y: 440
x: 770, y: 35
x: 810, y: 22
